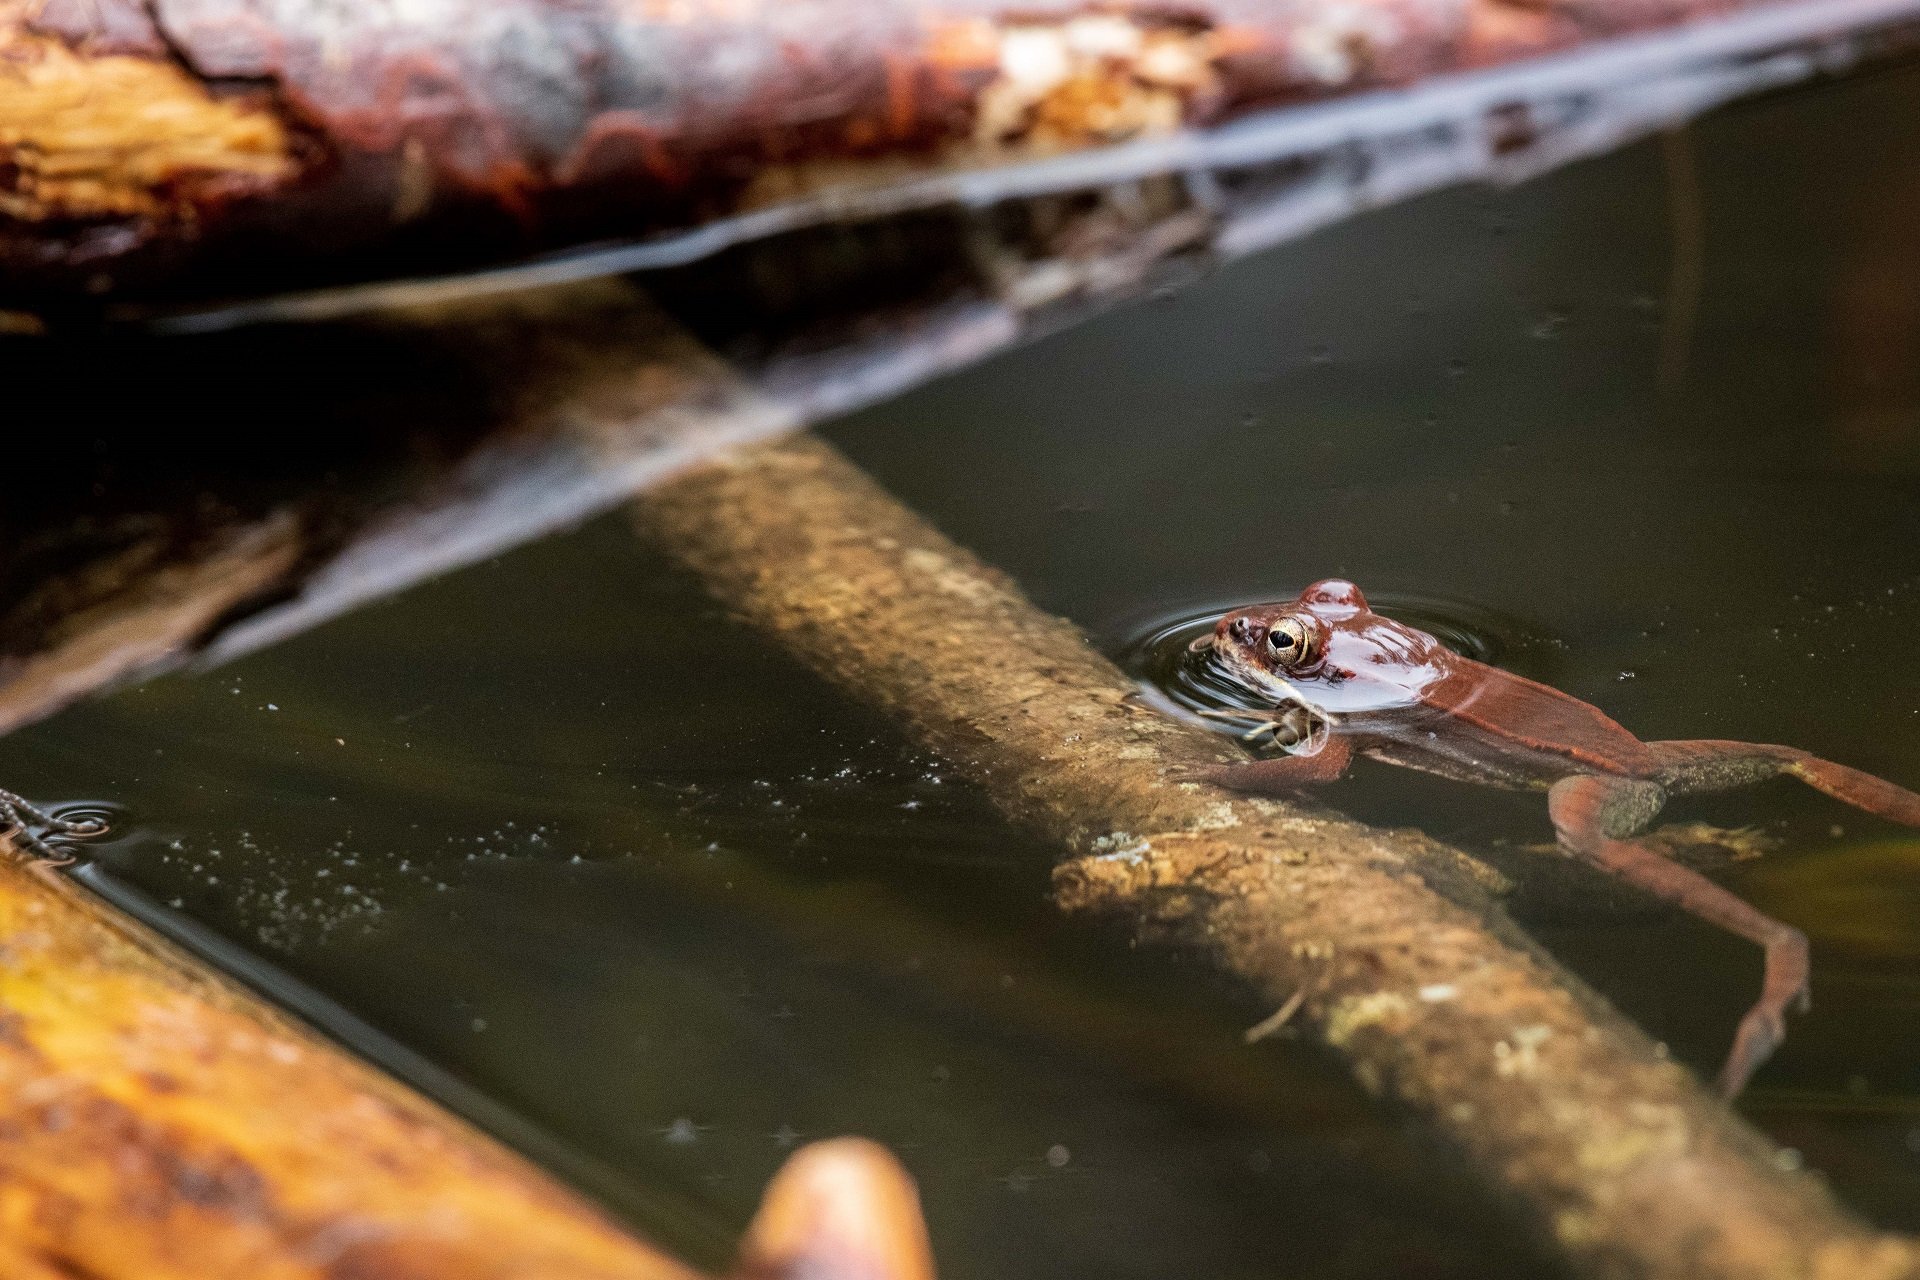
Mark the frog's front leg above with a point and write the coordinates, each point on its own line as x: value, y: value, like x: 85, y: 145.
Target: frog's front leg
x: 1597, y: 817
x: 1294, y: 728
x: 1280, y: 773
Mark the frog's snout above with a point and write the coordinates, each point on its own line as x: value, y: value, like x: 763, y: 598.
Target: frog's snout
x: 1241, y: 629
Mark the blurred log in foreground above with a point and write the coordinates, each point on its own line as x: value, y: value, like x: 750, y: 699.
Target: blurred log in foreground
x: 190, y: 149
x: 1617, y: 1157
x: 158, y: 1123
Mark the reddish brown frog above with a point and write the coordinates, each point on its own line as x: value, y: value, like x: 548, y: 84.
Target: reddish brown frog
x: 1344, y: 679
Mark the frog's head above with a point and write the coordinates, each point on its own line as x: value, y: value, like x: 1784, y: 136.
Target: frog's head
x: 1327, y: 650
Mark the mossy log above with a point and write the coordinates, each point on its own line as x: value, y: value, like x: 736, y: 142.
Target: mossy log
x: 1617, y: 1156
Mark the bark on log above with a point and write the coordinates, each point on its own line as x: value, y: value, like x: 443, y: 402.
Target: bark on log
x: 1616, y: 1155
x: 157, y: 1123
x: 236, y: 146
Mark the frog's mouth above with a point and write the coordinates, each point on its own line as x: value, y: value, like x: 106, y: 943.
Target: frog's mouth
x: 1253, y: 676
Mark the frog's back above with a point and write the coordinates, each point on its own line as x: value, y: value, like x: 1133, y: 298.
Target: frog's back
x: 1482, y: 724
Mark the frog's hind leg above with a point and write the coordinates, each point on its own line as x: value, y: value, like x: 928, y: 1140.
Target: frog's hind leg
x: 1716, y: 766
x: 1597, y: 817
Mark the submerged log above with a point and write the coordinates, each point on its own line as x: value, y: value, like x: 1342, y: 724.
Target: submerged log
x: 1615, y: 1155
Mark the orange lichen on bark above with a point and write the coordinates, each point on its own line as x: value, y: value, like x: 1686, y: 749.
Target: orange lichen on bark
x: 115, y: 136
x: 1056, y: 83
x: 156, y: 1122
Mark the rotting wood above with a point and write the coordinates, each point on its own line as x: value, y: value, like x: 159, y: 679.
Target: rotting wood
x: 198, y: 148
x: 1616, y: 1155
x: 91, y: 137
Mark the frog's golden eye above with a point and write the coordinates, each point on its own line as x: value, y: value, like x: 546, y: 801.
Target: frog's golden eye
x: 1289, y: 641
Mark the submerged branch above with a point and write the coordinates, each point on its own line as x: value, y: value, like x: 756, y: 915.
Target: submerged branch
x: 158, y: 1122
x: 1616, y: 1155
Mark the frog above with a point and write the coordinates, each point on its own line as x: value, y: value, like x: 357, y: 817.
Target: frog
x: 1343, y: 681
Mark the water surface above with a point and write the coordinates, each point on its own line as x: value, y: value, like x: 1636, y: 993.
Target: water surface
x: 591, y: 848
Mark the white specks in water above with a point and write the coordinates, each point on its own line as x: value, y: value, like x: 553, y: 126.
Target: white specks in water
x: 1787, y: 1160
x: 1018, y: 1181
x: 478, y: 1024
x: 682, y: 1132
x: 1058, y: 1156
x: 785, y: 1136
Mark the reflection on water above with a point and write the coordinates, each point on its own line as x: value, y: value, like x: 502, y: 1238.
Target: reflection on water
x: 607, y: 857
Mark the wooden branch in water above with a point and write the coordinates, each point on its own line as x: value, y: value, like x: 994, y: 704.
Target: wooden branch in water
x: 159, y: 1123
x: 1614, y: 1154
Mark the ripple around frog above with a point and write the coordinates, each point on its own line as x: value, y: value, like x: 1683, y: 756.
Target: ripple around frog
x: 1160, y: 653
x: 111, y: 828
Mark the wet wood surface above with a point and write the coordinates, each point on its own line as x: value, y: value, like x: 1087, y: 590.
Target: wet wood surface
x: 159, y: 1123
x: 1382, y: 943
x: 176, y: 151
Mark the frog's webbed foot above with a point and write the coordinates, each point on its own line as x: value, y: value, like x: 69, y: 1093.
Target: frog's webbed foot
x: 1295, y: 727
x: 1264, y: 723
x: 20, y: 818
x: 1598, y: 818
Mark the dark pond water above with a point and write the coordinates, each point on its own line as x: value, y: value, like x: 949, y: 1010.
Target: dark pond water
x: 671, y: 916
